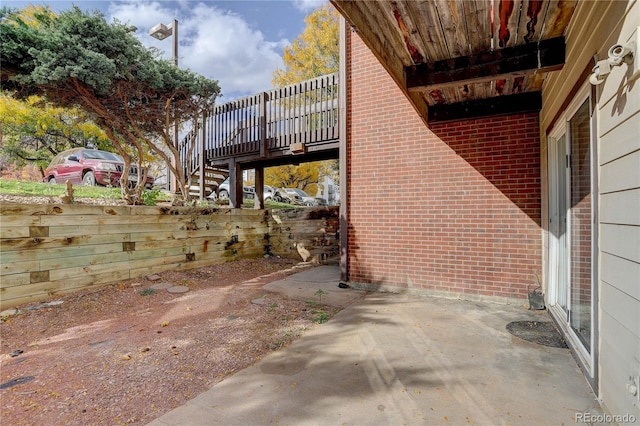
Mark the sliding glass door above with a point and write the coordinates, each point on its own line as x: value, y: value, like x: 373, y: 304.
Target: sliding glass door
x: 571, y: 282
x: 580, y: 225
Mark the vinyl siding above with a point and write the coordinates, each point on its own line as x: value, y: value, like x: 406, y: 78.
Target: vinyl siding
x: 595, y: 27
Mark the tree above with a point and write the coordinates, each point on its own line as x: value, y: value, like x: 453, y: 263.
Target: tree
x: 78, y: 59
x: 314, y: 53
x: 33, y: 131
x: 304, y: 176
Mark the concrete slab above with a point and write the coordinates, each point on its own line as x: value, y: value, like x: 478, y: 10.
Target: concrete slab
x: 399, y: 359
x: 305, y: 284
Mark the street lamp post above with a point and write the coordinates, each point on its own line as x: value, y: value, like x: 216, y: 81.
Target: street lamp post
x: 162, y: 31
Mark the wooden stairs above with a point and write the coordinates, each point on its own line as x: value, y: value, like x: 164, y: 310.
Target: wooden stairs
x: 213, y: 177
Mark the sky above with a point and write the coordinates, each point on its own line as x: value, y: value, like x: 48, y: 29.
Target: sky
x: 239, y: 43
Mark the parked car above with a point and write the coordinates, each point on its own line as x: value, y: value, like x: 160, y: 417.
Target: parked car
x: 307, y: 200
x: 294, y: 199
x: 321, y: 201
x: 223, y: 191
x: 275, y: 194
x: 90, y: 167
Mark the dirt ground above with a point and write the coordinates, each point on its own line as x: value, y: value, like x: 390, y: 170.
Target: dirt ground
x: 126, y: 354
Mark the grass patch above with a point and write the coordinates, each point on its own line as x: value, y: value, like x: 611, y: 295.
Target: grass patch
x: 321, y: 317
x: 17, y: 187
x: 148, y: 291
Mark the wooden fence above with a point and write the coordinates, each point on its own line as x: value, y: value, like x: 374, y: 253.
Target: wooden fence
x: 49, y: 250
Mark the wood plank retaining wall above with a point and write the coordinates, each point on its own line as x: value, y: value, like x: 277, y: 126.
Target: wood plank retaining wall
x: 48, y: 250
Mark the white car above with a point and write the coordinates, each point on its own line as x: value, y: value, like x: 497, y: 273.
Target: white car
x: 223, y: 191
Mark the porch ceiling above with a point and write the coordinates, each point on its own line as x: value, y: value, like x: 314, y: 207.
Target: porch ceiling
x: 458, y: 58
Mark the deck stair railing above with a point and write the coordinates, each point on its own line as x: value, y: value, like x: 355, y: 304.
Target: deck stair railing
x: 255, y: 126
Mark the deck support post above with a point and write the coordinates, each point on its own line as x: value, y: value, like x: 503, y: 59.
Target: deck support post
x: 342, y: 158
x: 236, y: 185
x: 258, y: 201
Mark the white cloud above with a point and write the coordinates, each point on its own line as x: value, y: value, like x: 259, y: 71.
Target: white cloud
x: 213, y: 42
x: 309, y: 5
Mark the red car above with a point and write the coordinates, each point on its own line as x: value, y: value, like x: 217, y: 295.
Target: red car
x: 89, y: 167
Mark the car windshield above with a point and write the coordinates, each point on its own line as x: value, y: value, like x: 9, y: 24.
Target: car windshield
x: 300, y: 192
x: 95, y: 154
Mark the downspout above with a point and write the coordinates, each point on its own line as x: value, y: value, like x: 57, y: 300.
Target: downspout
x: 342, y: 155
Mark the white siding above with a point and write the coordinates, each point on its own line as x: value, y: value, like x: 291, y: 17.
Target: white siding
x: 621, y: 142
x: 621, y: 207
x: 618, y: 124
x: 594, y: 28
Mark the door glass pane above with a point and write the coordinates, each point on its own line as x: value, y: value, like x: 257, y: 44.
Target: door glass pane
x: 580, y: 212
x: 561, y: 200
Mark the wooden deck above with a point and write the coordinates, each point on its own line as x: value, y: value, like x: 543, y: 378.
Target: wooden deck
x: 293, y: 124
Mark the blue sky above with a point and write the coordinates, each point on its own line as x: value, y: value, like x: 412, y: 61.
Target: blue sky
x: 239, y: 43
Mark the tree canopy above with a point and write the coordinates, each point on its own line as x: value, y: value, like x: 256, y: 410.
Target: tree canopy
x: 33, y: 131
x: 314, y: 53
x: 304, y: 176
x: 77, y: 59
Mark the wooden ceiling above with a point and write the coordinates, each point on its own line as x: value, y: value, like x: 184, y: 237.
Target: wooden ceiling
x: 464, y: 58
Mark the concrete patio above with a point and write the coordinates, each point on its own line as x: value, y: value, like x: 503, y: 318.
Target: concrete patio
x: 398, y: 359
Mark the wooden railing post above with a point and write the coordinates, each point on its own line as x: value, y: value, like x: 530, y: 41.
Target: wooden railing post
x: 202, y: 154
x: 263, y: 124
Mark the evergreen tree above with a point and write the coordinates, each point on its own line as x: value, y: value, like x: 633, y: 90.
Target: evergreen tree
x: 77, y: 59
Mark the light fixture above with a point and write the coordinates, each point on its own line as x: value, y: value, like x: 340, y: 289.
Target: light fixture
x: 161, y: 31
x: 618, y: 54
x: 297, y: 148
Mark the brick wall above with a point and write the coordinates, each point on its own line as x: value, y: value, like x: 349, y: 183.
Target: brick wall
x: 454, y: 209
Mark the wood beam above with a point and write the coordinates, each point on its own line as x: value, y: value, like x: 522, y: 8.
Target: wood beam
x: 500, y: 105
x: 547, y: 55
x: 236, y: 185
x: 258, y: 200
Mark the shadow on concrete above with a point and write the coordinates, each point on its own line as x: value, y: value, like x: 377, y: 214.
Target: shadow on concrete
x: 401, y: 359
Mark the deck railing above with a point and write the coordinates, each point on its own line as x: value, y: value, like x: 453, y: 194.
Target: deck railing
x: 305, y: 113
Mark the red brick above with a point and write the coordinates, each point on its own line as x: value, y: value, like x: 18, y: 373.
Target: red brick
x: 454, y: 207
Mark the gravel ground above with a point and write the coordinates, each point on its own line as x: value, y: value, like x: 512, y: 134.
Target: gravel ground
x: 126, y: 354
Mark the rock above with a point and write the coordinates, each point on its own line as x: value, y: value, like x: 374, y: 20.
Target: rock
x: 153, y: 277
x: 10, y: 312
x: 161, y: 286
x: 259, y: 301
x: 302, y: 251
x: 178, y: 289
x: 36, y: 307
